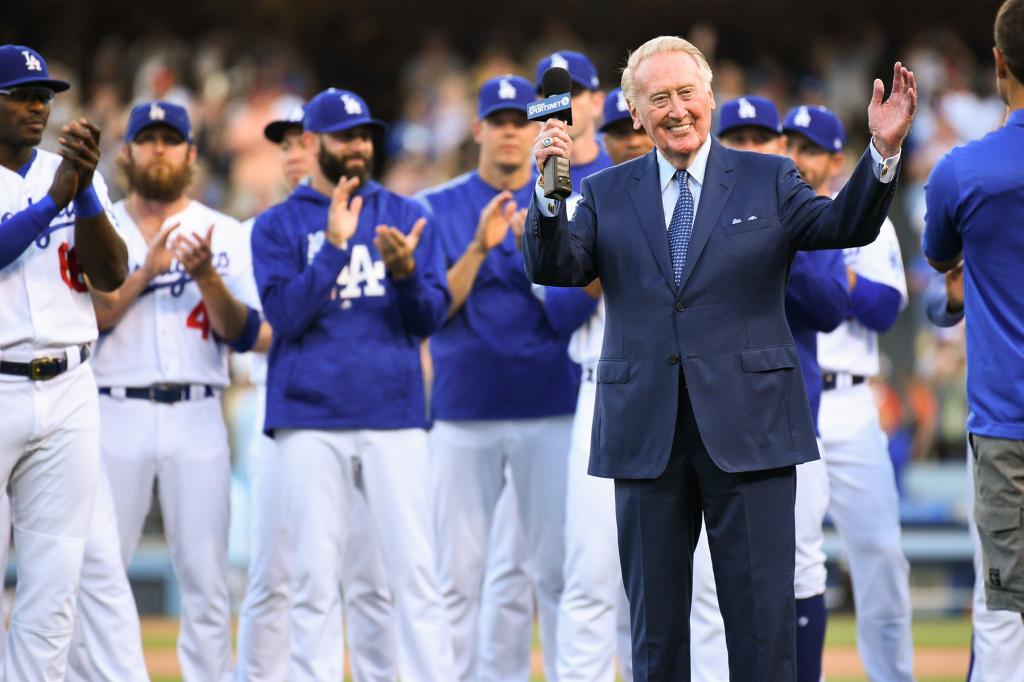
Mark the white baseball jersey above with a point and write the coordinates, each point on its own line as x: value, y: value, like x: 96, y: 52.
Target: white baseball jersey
x: 165, y: 337
x: 46, y: 306
x: 585, y: 344
x: 853, y: 347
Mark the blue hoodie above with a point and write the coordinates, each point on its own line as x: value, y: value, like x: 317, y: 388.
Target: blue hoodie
x: 345, y: 353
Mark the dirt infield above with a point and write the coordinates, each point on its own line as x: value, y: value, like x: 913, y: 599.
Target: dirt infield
x: 930, y: 662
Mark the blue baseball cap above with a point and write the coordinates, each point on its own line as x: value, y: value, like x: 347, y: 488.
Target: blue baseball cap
x: 159, y: 112
x: 748, y: 111
x: 579, y: 66
x: 615, y: 109
x: 275, y: 130
x: 504, y: 92
x: 335, y: 110
x: 20, y: 65
x: 818, y: 124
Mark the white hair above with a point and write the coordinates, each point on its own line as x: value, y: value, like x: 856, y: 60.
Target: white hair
x: 661, y: 45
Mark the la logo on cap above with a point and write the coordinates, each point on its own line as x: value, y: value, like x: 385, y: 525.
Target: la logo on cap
x: 559, y: 61
x: 802, y: 118
x: 746, y: 109
x: 506, y: 90
x: 32, y: 63
x: 156, y: 112
x: 352, y: 105
x: 621, y: 104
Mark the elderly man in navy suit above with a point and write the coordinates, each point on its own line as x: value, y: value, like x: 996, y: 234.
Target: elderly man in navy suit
x: 700, y: 402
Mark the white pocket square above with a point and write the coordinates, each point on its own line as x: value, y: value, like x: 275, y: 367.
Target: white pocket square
x: 753, y: 217
x: 736, y: 220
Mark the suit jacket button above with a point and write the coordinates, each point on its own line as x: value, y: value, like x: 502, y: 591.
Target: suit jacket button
x: 680, y: 307
x: 673, y: 359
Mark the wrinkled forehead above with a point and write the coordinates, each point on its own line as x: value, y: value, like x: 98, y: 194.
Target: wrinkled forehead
x: 667, y: 71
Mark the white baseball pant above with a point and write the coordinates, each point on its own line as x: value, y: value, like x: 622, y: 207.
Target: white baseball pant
x: 593, y: 614
x: 264, y: 613
x: 107, y: 644
x: 507, y: 601
x: 325, y: 471
x: 49, y: 462
x: 861, y: 477
x: 184, y: 448
x: 709, y: 659
x: 468, y: 461
x: 997, y: 642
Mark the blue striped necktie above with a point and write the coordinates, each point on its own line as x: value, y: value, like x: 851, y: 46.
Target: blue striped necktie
x: 680, y: 229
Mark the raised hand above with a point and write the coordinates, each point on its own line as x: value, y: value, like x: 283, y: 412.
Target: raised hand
x: 495, y: 220
x: 518, y: 223
x: 159, y: 256
x: 80, y: 144
x: 195, y: 253
x: 397, y: 249
x: 889, y: 121
x: 343, y: 215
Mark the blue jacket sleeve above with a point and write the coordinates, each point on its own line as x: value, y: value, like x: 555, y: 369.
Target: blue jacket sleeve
x: 941, y: 240
x: 557, y: 251
x: 817, y: 291
x: 247, y: 339
x: 423, y: 296
x: 291, y: 292
x: 567, y: 309
x: 18, y: 231
x: 936, y: 304
x: 874, y: 305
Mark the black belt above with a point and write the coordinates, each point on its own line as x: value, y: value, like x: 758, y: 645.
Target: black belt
x: 41, y: 369
x: 829, y: 380
x: 168, y: 394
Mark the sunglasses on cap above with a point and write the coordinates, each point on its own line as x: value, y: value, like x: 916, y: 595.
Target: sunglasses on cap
x: 29, y: 93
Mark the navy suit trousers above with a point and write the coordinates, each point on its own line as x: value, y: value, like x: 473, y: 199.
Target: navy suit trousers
x: 749, y: 519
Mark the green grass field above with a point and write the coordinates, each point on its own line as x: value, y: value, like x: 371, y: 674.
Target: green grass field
x: 941, y: 650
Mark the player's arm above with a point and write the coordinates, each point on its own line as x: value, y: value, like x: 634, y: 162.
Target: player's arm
x: 873, y: 304
x: 263, y: 338
x: 495, y: 220
x: 102, y: 254
x: 940, y: 241
x: 18, y: 231
x: 817, y: 291
x: 111, y: 306
x: 231, y: 320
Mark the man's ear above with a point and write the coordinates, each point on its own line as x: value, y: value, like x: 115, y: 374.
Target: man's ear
x: 1002, y: 71
x: 635, y: 116
x: 477, y: 128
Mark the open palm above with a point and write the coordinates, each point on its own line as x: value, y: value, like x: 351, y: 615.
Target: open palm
x: 889, y: 121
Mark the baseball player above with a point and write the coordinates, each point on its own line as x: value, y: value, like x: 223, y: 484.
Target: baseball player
x: 56, y: 239
x: 997, y: 639
x: 593, y: 617
x: 162, y: 364
x: 855, y: 453
x: 499, y: 350
x: 351, y: 288
x: 816, y: 300
x: 263, y: 616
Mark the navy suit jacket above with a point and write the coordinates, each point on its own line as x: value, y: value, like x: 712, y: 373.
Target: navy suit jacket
x: 726, y: 322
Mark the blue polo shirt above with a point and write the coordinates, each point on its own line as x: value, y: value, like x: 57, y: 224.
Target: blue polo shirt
x: 500, y: 356
x: 975, y: 206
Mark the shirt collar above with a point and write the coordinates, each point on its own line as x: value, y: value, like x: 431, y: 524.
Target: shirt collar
x: 666, y: 171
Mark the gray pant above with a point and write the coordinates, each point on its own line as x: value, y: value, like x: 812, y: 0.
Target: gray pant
x: 999, y: 514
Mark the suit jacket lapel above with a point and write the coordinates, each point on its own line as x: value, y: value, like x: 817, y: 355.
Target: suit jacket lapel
x: 645, y: 191
x: 718, y: 184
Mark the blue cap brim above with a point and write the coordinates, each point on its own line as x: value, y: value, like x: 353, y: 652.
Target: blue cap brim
x: 275, y: 130
x: 608, y: 124
x: 347, y: 125
x: 723, y: 131
x: 501, y: 106
x: 152, y: 124
x: 52, y: 83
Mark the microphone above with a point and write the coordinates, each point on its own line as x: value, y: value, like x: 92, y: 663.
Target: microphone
x: 556, y: 88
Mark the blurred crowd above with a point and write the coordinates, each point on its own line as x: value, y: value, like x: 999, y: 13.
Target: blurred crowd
x: 231, y: 92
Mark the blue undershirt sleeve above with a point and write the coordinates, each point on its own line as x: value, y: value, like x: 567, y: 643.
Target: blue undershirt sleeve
x: 875, y: 305
x: 18, y: 231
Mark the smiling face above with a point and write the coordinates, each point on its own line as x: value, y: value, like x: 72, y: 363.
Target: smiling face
x: 673, y: 103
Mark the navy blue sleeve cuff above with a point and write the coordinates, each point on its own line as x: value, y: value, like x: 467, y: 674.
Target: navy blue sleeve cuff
x: 247, y: 339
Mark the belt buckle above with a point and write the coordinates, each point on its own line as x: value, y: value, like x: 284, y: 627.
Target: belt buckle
x: 40, y: 368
